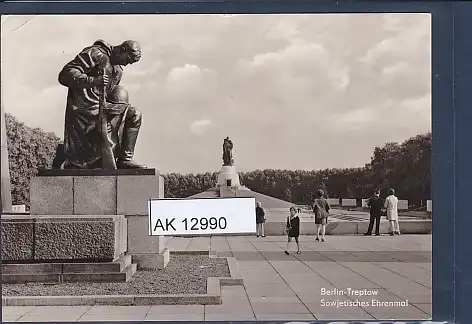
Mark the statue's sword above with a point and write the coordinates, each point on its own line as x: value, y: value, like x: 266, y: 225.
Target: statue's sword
x: 108, y: 158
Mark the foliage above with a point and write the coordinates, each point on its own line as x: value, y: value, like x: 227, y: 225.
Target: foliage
x: 28, y: 150
x: 178, y: 185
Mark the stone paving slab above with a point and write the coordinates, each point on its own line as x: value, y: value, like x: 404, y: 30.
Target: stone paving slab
x: 284, y: 317
x: 176, y: 309
x: 339, y: 276
x: 111, y: 317
x: 47, y: 313
x: 424, y: 307
x: 199, y: 244
x: 264, y: 307
x: 281, y: 287
x: 322, y: 310
x: 118, y: 310
x: 16, y: 311
x: 414, y: 273
x: 49, y: 317
x: 175, y: 317
x: 230, y: 317
x: 425, y: 266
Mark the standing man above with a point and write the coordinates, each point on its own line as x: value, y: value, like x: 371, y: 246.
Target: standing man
x: 375, y: 203
x: 98, y: 67
x: 260, y: 220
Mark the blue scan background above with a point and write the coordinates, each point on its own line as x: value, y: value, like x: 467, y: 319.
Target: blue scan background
x: 451, y: 114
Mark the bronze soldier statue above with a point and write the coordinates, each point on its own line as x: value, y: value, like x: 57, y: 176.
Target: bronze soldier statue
x: 227, y: 152
x: 98, y: 67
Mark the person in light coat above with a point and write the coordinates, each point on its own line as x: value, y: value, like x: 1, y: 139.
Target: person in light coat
x: 391, y: 205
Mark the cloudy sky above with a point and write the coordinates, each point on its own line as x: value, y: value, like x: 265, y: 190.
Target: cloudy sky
x: 291, y: 91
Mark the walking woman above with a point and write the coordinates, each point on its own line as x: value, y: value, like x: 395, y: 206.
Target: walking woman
x: 293, y: 229
x: 260, y: 220
x: 321, y: 209
x: 391, y: 205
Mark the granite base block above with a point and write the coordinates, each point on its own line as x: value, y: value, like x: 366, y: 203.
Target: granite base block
x: 139, y: 240
x: 134, y: 192
x: 75, y: 241
x: 94, y: 194
x: 17, y: 239
x: 55, y: 238
x: 52, y: 196
x: 152, y: 260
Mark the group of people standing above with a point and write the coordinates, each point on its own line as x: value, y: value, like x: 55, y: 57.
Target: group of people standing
x: 377, y: 205
x: 321, y: 209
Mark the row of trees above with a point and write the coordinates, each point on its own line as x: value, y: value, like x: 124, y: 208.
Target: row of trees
x: 29, y: 149
x: 405, y: 167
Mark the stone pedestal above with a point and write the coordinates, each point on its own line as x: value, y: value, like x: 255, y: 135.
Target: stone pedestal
x: 228, y: 177
x: 114, y: 192
x: 148, y: 252
x: 93, y: 195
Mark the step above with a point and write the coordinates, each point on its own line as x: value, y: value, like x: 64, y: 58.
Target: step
x: 30, y: 277
x: 117, y: 266
x: 123, y: 276
x: 119, y: 271
x: 57, y: 268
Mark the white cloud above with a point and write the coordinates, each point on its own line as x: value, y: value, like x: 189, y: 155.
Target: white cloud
x: 340, y: 78
x: 185, y: 78
x: 418, y: 104
x: 303, y: 66
x: 199, y: 127
x: 186, y: 73
x: 190, y: 80
x: 283, y: 30
x: 405, y: 43
x: 397, y: 68
x: 54, y: 91
x: 352, y: 120
x: 143, y: 68
x: 300, y: 52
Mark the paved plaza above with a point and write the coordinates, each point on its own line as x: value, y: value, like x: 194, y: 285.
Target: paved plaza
x: 281, y: 287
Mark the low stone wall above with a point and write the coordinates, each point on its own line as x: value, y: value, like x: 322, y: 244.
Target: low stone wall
x: 39, y: 238
x: 351, y: 227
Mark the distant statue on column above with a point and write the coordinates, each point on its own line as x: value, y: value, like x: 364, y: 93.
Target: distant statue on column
x: 227, y: 152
